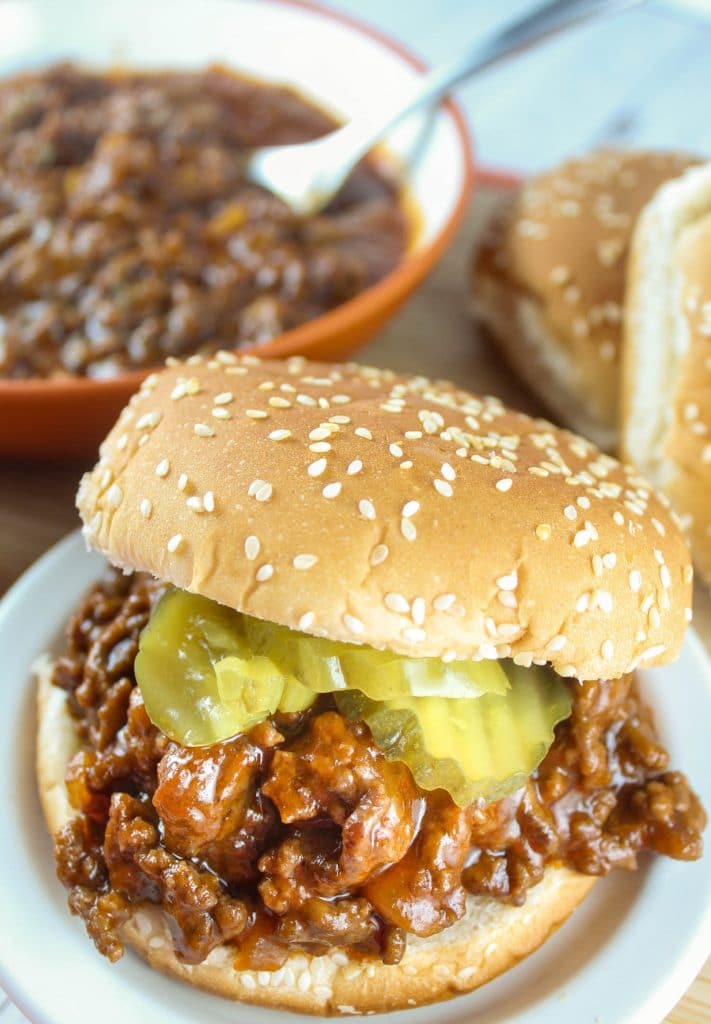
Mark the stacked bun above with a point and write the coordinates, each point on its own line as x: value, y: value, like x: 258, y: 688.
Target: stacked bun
x: 549, y: 280
x: 666, y: 408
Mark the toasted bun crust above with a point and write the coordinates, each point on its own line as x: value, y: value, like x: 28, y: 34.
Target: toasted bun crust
x: 490, y: 939
x: 549, y: 277
x: 431, y: 522
x: 666, y: 409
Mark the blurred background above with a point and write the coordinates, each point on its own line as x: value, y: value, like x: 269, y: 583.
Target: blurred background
x: 641, y: 77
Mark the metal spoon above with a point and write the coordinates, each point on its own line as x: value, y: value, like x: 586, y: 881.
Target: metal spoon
x: 306, y: 176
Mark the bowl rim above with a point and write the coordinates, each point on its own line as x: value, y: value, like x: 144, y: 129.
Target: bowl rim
x: 397, y: 284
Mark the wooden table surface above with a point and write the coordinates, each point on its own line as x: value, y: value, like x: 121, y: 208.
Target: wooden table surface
x: 433, y: 335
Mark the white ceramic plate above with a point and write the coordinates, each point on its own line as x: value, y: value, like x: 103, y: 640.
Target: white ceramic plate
x: 625, y: 957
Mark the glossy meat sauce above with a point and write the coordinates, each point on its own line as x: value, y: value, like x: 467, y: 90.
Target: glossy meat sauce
x: 129, y: 232
x: 300, y: 835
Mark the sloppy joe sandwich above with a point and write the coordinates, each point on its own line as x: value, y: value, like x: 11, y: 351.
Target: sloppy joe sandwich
x: 352, y: 724
x: 548, y: 280
x: 666, y: 407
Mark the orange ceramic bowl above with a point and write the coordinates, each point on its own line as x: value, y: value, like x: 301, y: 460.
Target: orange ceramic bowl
x: 342, y: 65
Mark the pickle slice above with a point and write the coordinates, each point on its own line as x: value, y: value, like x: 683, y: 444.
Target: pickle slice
x: 484, y: 748
x: 199, y: 679
x: 327, y: 666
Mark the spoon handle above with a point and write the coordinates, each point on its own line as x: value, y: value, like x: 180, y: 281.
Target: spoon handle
x: 544, y: 21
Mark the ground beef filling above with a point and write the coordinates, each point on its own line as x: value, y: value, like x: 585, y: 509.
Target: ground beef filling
x: 300, y: 835
x: 129, y: 232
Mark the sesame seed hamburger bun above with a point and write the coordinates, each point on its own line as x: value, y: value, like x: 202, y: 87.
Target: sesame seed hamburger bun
x: 491, y: 938
x: 548, y: 280
x: 666, y: 408
x: 371, y: 507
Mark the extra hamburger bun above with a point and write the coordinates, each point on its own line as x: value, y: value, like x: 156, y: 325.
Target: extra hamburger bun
x: 372, y: 507
x: 666, y: 409
x: 491, y: 938
x: 548, y: 280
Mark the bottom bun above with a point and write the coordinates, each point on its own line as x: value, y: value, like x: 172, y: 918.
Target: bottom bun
x: 490, y: 938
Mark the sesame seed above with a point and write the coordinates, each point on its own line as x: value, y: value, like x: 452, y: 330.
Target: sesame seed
x: 114, y: 496
x: 543, y: 531
x: 220, y: 413
x: 277, y: 402
x: 609, y: 560
x: 306, y: 400
x: 581, y: 538
x: 570, y: 512
x: 509, y: 582
x: 414, y: 635
x: 279, y: 435
x: 443, y: 602
x: 174, y: 543
x: 304, y: 561
x: 418, y: 610
x: 364, y: 432
x: 251, y: 547
x: 507, y: 598
x: 443, y: 488
x: 320, y: 434
x: 366, y: 508
x: 340, y: 399
x: 618, y: 517
x: 163, y: 468
x: 604, y: 601
x: 264, y: 572
x: 149, y: 420
x: 379, y: 553
x: 209, y: 501
x: 584, y: 502
x: 143, y: 439
x: 407, y: 464
x: 410, y: 508
x: 354, y: 467
x: 202, y: 430
x: 145, y: 508
x: 224, y: 398
x: 397, y: 603
x: 607, y: 649
x: 332, y: 490
x: 353, y: 624
x: 413, y: 435
x: 688, y: 614
x: 582, y: 604
x: 339, y: 419
x: 504, y: 484
x: 264, y: 493
x: 396, y: 450
x: 558, y: 643
x: 448, y: 472
x: 320, y: 447
x: 652, y: 652
x: 408, y: 529
x: 688, y: 574
x: 122, y: 442
x: 194, y: 503
x: 307, y: 620
x: 665, y: 576
x: 317, y: 468
x: 256, y: 414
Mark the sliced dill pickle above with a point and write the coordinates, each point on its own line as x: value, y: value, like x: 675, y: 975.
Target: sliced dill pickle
x: 199, y: 678
x: 484, y: 748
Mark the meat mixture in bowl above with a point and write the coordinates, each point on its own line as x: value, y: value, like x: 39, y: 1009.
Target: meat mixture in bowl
x: 129, y: 233
x: 301, y: 835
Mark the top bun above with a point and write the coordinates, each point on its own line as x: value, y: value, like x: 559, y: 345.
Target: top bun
x: 372, y: 507
x: 549, y: 279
